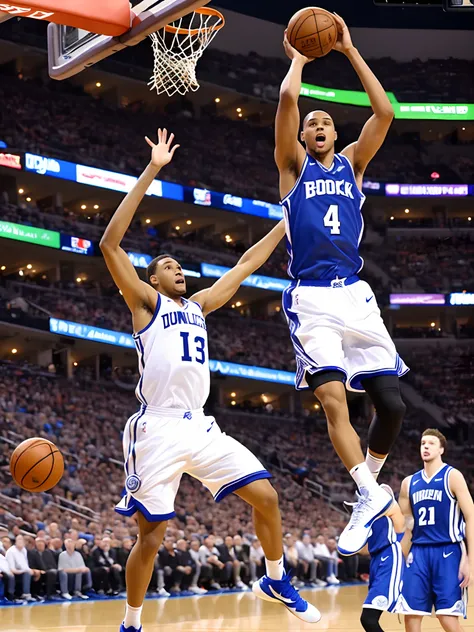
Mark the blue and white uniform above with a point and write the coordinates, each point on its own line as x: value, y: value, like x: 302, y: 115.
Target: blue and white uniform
x: 170, y: 434
x: 386, y: 566
x: 334, y: 320
x: 432, y: 567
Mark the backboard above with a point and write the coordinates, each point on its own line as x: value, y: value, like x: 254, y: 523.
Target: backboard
x: 71, y: 50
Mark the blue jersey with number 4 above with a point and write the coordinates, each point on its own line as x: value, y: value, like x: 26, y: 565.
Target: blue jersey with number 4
x: 436, y: 512
x: 324, y: 222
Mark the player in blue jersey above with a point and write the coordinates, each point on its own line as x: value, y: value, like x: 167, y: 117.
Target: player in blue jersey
x: 335, y: 325
x: 438, y: 504
x: 386, y: 566
x: 170, y: 434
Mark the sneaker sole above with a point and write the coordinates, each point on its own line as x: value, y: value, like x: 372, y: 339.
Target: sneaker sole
x: 381, y: 513
x: 256, y: 589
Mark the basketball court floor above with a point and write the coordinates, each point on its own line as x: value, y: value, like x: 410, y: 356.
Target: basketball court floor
x: 242, y: 612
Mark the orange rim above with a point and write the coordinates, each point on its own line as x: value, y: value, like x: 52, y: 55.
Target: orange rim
x: 193, y: 32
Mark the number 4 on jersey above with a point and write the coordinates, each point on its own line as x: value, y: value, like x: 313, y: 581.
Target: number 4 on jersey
x: 331, y: 219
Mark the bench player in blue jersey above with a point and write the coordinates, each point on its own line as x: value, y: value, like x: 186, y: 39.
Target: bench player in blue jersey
x: 437, y: 503
x: 335, y: 325
x: 170, y: 435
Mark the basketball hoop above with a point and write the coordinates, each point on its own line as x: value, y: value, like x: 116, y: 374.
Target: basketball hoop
x: 178, y: 47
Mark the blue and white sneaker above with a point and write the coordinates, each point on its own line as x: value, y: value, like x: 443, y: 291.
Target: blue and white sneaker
x: 281, y: 591
x: 369, y: 507
x: 130, y: 629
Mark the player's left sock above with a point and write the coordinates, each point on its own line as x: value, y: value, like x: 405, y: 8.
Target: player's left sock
x: 275, y: 568
x: 132, y: 617
x: 363, y: 477
x: 374, y: 464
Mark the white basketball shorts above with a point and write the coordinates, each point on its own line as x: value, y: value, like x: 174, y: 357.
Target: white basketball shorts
x: 339, y: 327
x: 160, y: 445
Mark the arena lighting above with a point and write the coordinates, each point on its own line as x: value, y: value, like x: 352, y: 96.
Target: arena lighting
x: 264, y: 398
x: 78, y: 280
x: 392, y: 218
x: 238, y: 304
x: 147, y: 221
x: 469, y: 219
x: 96, y: 207
x: 233, y: 402
x: 29, y: 266
x: 14, y: 351
x: 316, y: 407
x: 3, y: 268
x: 177, y: 227
x: 83, y: 207
x: 75, y: 363
x: 233, y: 394
x: 28, y: 199
x: 189, y: 222
x: 433, y: 324
x: 240, y: 114
x: 407, y: 210
x: 21, y: 273
x: 217, y: 100
x: 239, y: 110
x: 21, y: 191
x: 98, y: 84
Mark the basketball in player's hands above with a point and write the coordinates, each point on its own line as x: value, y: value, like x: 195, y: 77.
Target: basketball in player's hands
x: 313, y: 32
x: 36, y: 465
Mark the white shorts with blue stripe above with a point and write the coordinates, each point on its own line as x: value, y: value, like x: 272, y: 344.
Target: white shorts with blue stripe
x: 160, y: 445
x: 338, y: 327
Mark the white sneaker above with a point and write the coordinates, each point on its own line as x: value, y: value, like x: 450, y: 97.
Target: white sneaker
x: 332, y: 580
x: 320, y: 582
x: 197, y: 590
x: 241, y: 586
x: 163, y: 593
x: 66, y: 596
x: 369, y: 507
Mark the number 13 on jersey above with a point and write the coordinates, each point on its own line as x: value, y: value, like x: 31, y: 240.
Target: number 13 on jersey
x: 199, y: 347
x: 331, y: 219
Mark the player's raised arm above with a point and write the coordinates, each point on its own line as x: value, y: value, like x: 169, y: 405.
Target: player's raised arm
x: 135, y: 292
x: 405, y: 507
x: 289, y: 153
x: 459, y: 489
x: 375, y: 130
x: 224, y: 289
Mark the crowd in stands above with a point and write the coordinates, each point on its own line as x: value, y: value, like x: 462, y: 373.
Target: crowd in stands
x: 433, y: 264
x: 445, y: 378
x: 62, y: 121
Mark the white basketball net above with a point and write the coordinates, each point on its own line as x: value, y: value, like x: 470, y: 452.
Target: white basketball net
x: 176, y: 54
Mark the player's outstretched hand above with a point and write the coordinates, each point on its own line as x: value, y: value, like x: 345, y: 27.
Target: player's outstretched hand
x: 292, y: 53
x: 162, y: 153
x: 465, y: 572
x: 344, y: 41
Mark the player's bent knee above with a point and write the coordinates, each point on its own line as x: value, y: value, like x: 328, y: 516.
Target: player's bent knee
x: 369, y: 620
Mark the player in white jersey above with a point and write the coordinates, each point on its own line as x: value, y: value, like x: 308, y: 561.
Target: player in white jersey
x: 439, y: 511
x: 170, y: 435
x: 339, y: 337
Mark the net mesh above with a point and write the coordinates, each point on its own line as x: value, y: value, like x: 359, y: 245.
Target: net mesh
x: 178, y: 47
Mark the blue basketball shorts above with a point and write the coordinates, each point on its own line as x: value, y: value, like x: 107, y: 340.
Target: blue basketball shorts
x: 386, y: 574
x: 431, y: 579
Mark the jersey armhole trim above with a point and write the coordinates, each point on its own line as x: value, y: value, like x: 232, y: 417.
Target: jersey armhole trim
x: 344, y: 158
x: 199, y: 305
x: 292, y: 190
x: 155, y: 314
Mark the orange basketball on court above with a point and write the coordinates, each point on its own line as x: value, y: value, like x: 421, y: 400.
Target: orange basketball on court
x: 36, y: 465
x: 313, y: 32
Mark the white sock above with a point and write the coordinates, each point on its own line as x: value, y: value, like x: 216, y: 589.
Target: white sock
x: 363, y: 477
x: 374, y: 464
x: 275, y: 569
x: 133, y: 617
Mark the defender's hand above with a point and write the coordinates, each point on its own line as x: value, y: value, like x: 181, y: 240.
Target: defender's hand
x: 162, y: 153
x: 344, y: 41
